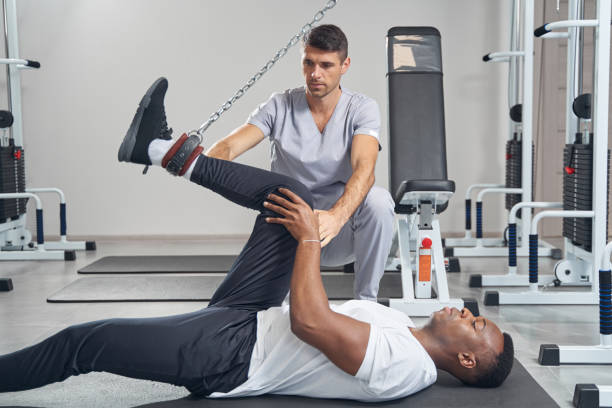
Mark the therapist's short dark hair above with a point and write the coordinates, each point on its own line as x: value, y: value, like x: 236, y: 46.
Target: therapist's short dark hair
x: 327, y: 37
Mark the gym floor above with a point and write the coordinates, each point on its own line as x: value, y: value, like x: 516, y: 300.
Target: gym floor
x: 26, y: 318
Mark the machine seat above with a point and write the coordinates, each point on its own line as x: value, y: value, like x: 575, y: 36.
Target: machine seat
x: 427, y: 185
x: 412, y: 192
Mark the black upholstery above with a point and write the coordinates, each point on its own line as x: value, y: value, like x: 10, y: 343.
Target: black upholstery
x: 427, y: 185
x: 416, y: 108
x: 409, y: 186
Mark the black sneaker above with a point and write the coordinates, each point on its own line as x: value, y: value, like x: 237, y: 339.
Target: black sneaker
x: 149, y: 123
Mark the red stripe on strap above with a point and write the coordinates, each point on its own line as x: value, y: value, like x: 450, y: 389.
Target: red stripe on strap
x: 175, y: 148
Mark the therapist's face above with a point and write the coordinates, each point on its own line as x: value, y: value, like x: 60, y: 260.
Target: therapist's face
x: 322, y: 70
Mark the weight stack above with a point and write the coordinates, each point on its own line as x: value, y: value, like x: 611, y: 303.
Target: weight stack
x: 12, y: 180
x: 578, y: 192
x: 514, y: 161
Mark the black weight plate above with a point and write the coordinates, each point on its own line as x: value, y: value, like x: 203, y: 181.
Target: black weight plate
x: 582, y: 236
x: 577, y: 228
x: 579, y: 179
x: 582, y: 154
x: 575, y: 207
x: 577, y: 197
x: 578, y: 234
x: 575, y: 194
x: 578, y: 190
x: 578, y: 146
x: 582, y: 223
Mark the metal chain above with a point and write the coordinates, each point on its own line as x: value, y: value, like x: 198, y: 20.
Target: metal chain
x: 279, y: 54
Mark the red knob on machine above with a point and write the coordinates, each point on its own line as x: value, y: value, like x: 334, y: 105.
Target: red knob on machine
x: 426, y: 243
x: 17, y: 154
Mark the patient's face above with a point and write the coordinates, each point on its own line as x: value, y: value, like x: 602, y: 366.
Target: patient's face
x: 461, y: 332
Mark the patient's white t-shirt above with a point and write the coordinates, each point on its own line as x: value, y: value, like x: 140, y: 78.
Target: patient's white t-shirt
x: 395, y: 364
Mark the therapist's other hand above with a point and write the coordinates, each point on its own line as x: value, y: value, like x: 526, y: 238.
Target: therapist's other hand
x: 330, y: 225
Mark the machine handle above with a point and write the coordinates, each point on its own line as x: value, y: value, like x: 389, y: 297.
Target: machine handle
x: 540, y: 31
x: 40, y: 235
x: 468, y: 215
x: 33, y: 64
x: 63, y: 219
x: 478, y: 219
x: 533, y: 258
x: 512, y: 244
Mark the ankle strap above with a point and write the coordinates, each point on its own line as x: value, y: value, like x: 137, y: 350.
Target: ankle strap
x: 182, y: 154
x: 175, y: 148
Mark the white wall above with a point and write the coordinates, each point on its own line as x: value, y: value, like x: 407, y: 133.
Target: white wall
x: 99, y: 56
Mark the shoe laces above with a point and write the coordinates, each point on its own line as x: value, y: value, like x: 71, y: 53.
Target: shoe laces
x: 164, y: 131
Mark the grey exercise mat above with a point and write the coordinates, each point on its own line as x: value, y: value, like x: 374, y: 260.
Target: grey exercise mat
x: 149, y: 288
x: 166, y: 264
x: 519, y: 390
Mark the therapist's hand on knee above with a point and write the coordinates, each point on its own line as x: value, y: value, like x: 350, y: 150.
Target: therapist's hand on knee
x: 297, y: 216
x: 330, y: 225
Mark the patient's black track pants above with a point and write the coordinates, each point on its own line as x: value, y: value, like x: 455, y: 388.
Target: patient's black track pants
x: 204, y: 351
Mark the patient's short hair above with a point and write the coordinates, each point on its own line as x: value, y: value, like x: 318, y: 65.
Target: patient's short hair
x: 495, y: 375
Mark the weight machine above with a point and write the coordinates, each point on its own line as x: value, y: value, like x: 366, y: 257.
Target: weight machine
x: 589, y: 395
x: 15, y: 239
x: 512, y: 278
x: 417, y: 169
x: 519, y: 152
x: 586, y: 167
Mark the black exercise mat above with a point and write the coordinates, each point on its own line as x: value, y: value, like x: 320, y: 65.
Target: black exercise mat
x: 339, y: 286
x: 166, y: 264
x: 519, y: 390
